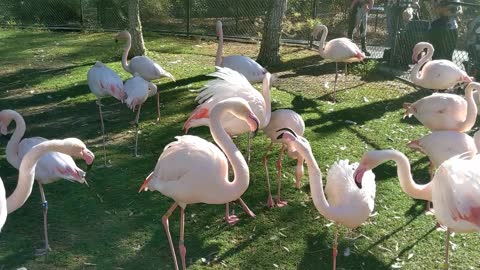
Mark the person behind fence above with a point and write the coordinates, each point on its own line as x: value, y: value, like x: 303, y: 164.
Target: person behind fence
x: 358, y: 19
x: 443, y: 32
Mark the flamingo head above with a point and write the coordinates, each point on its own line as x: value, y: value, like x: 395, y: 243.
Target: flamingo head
x: 76, y: 148
x: 144, y: 186
x: 241, y: 109
x: 419, y: 51
x: 124, y: 35
x: 5, y: 120
x: 219, y: 29
x: 317, y: 29
x: 370, y: 160
x: 295, y: 144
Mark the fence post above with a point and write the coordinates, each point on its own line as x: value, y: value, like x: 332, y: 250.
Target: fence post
x: 314, y: 15
x: 188, y: 17
x: 81, y: 14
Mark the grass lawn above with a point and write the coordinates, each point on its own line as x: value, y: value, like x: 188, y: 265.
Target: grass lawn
x: 110, y: 226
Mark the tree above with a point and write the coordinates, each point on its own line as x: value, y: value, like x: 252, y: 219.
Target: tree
x: 269, y: 54
x: 135, y: 28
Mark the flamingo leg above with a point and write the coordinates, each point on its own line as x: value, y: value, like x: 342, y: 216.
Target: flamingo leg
x: 346, y: 73
x: 335, y: 83
x: 265, y: 161
x: 46, y: 249
x: 158, y: 106
x: 103, y: 131
x: 280, y: 203
x: 429, y: 209
x: 447, y: 245
x: 335, y: 244
x: 166, y: 226
x: 136, y: 130
x: 181, y: 244
x: 299, y: 172
x: 249, y: 137
x: 230, y: 219
x: 245, y: 208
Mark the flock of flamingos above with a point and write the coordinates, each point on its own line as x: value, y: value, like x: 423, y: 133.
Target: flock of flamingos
x: 192, y: 170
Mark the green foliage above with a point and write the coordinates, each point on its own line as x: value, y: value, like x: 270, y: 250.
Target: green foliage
x: 367, y: 69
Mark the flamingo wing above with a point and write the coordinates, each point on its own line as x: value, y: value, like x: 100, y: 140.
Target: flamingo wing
x: 137, y: 91
x: 246, y: 66
x: 103, y: 81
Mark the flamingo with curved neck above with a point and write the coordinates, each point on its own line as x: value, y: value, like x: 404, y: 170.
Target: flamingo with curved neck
x: 436, y: 74
x: 193, y: 170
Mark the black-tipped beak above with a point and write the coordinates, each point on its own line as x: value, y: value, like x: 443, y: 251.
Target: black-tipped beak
x: 359, y: 184
x: 358, y: 176
x: 280, y: 136
x: 256, y: 130
x: 289, y: 130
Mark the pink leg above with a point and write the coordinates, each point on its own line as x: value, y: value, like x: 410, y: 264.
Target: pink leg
x: 249, y: 138
x: 335, y: 83
x: 299, y: 172
x: 230, y: 219
x: 158, y: 106
x: 46, y: 249
x: 245, y: 208
x: 265, y: 161
x: 103, y: 132
x: 346, y: 73
x: 136, y: 130
x: 280, y: 203
x: 429, y: 209
x: 167, y: 231
x: 181, y: 244
x: 447, y: 245
x: 335, y: 243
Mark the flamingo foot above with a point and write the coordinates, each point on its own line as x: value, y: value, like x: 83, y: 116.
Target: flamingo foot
x: 270, y: 203
x: 429, y: 210
x: 42, y: 251
x: 281, y: 203
x: 298, y: 184
x: 231, y: 219
x: 439, y: 227
x: 245, y: 208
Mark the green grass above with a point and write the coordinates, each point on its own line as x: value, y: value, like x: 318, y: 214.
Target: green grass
x: 43, y: 76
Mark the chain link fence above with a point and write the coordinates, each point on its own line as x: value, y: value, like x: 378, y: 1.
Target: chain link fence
x: 244, y: 19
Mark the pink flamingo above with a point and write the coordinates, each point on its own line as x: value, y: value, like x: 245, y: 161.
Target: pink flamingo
x: 244, y: 65
x: 70, y: 147
x: 283, y: 120
x: 103, y: 82
x: 442, y: 145
x: 435, y: 74
x: 347, y: 204
x: 337, y: 50
x: 51, y: 167
x: 193, y: 170
x: 454, y: 190
x: 445, y: 111
x: 230, y: 83
x: 144, y: 66
x: 138, y: 90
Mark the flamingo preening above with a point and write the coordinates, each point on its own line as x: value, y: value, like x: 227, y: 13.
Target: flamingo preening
x: 193, y: 170
x: 144, y: 66
x: 336, y: 50
x: 435, y: 74
x: 347, y: 204
x: 244, y: 65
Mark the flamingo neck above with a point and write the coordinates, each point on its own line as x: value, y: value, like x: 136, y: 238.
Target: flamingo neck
x: 13, y: 143
x: 415, y: 75
x: 476, y: 139
x: 471, y: 110
x: 219, y: 56
x: 239, y: 185
x: 267, y: 99
x: 3, y: 205
x: 321, y: 45
x: 26, y: 175
x: 125, y: 64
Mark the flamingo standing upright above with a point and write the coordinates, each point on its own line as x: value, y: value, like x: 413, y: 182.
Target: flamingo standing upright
x: 347, y: 204
x: 27, y: 171
x: 51, y: 167
x: 454, y: 190
x: 441, y: 111
x: 283, y: 119
x: 138, y: 90
x: 337, y: 50
x: 244, y: 65
x: 103, y: 82
x: 435, y: 74
x: 230, y: 83
x: 144, y: 66
x: 193, y: 170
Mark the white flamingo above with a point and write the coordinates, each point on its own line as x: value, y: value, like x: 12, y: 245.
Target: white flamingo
x: 337, y: 50
x: 104, y: 82
x: 144, y: 66
x: 193, y: 170
x: 244, y: 65
x: 347, y: 204
x: 230, y: 83
x: 435, y: 74
x: 283, y: 119
x: 138, y: 90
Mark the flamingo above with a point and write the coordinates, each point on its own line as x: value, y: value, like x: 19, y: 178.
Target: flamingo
x: 442, y: 111
x: 230, y: 83
x: 244, y: 65
x: 103, y: 82
x: 138, y: 90
x: 454, y: 190
x: 435, y: 74
x: 193, y: 170
x: 283, y: 119
x: 27, y: 171
x: 337, y: 50
x: 51, y: 167
x: 346, y: 203
x: 442, y: 145
x: 144, y: 66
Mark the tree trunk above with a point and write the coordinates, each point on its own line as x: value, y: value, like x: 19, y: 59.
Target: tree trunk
x: 270, y: 49
x: 135, y: 28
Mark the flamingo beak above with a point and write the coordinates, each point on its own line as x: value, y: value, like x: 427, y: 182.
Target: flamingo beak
x: 88, y: 156
x: 145, y: 183
x: 255, y: 126
x: 288, y: 130
x: 358, y: 176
